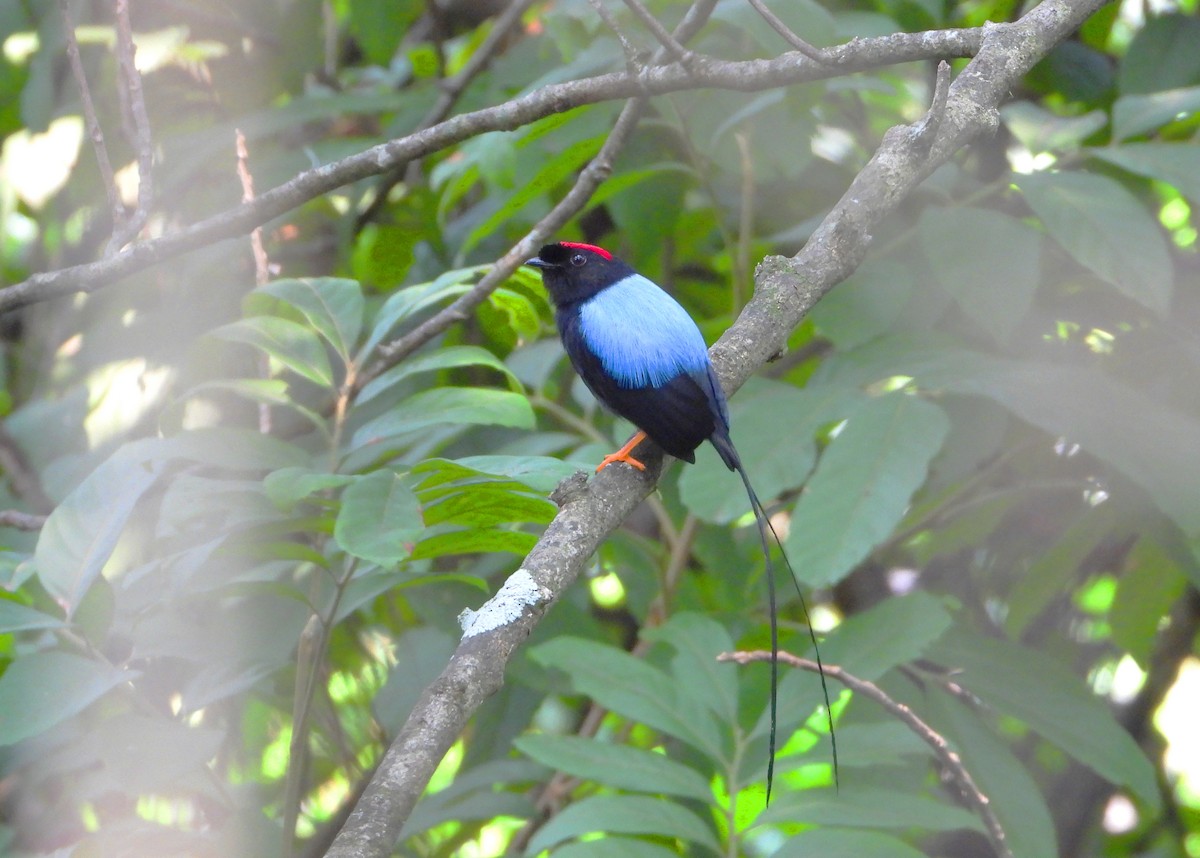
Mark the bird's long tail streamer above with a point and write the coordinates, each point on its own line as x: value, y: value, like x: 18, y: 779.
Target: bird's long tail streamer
x: 764, y: 524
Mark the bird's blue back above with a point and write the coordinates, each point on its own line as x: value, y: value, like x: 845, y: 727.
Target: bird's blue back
x: 641, y: 335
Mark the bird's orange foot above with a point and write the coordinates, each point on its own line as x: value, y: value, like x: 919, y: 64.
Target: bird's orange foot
x: 623, y: 455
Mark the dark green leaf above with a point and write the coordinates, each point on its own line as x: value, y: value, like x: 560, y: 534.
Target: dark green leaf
x: 1162, y: 55
x: 292, y: 344
x: 622, y: 814
x: 894, y: 632
x: 15, y: 617
x: 447, y: 358
x: 988, y: 261
x: 1051, y: 700
x: 79, y: 536
x: 454, y: 405
x: 379, y: 520
x: 614, y: 847
x: 333, y: 306
x: 1173, y: 163
x: 645, y: 693
x: 713, y: 493
x: 1012, y: 794
x: 1106, y: 230
x: 289, y: 486
x: 835, y: 843
x: 869, y: 807
x: 475, y: 542
x: 862, y: 485
x: 1138, y: 114
x: 46, y: 688
x: 616, y: 765
x: 698, y: 640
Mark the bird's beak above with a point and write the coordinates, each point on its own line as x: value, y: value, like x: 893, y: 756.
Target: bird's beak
x: 536, y: 262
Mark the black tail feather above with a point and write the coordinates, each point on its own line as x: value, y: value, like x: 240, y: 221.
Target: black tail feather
x: 731, y: 459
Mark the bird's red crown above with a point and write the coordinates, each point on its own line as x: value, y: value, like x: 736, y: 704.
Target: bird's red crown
x: 593, y: 248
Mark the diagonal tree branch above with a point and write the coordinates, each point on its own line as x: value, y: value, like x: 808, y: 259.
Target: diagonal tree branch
x: 748, y: 76
x: 786, y: 290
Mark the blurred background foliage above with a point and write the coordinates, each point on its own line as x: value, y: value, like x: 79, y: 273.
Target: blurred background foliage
x: 984, y: 448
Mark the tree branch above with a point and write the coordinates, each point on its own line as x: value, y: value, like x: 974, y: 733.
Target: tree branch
x: 935, y: 740
x: 787, y: 290
x: 747, y: 76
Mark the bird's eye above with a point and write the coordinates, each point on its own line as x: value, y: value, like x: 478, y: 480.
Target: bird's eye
x: 578, y: 259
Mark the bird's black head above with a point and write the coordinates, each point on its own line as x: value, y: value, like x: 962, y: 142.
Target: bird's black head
x: 575, y: 272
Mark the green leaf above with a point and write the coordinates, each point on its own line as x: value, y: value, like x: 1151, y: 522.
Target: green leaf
x: 454, y: 405
x: 557, y: 170
x: 287, y: 487
x: 988, y: 261
x: 1137, y: 114
x: 894, y: 632
x: 1162, y: 55
x: 1013, y: 795
x: 486, y: 505
x: 447, y: 358
x: 1041, y: 130
x: 866, y: 304
x: 43, y: 689
x: 15, y: 617
x: 332, y: 305
x: 488, y: 541
x: 1149, y: 442
x: 623, y: 814
x: 409, y: 301
x: 713, y: 493
x: 1052, y: 701
x: 698, y: 640
x: 1107, y: 230
x: 614, y: 847
x: 869, y: 807
x: 290, y: 343
x: 862, y: 485
x: 1173, y: 163
x: 836, y: 843
x: 645, y: 693
x: 1151, y: 584
x: 379, y: 520
x: 615, y: 765
x: 540, y: 473
x: 79, y: 536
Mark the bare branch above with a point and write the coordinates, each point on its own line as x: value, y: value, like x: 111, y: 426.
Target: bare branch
x: 95, y: 132
x: 810, y: 51
x: 935, y: 740
x: 677, y: 51
x: 632, y: 63
x: 130, y: 88
x: 747, y: 76
x: 786, y: 290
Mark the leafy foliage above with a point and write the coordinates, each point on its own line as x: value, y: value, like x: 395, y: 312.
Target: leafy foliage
x: 981, y: 449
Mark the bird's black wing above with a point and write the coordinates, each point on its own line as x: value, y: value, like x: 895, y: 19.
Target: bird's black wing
x: 678, y: 415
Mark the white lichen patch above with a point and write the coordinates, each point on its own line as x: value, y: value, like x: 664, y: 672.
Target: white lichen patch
x: 519, y: 592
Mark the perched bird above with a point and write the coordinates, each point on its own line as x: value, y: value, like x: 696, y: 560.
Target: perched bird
x: 643, y: 357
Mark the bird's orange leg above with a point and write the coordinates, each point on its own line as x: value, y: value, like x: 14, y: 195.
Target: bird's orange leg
x: 622, y: 455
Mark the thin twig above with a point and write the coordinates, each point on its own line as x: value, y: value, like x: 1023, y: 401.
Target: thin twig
x: 130, y: 88
x: 677, y: 51
x: 810, y: 51
x: 926, y: 131
x: 18, y: 520
x: 632, y: 62
x: 946, y: 755
x: 95, y: 132
x: 451, y: 89
x: 23, y: 480
x: 262, y: 264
